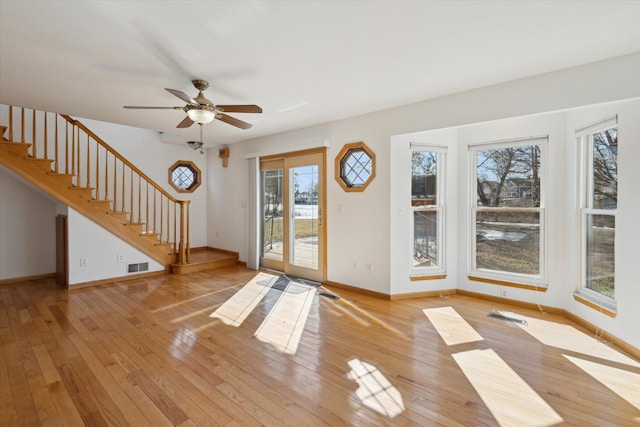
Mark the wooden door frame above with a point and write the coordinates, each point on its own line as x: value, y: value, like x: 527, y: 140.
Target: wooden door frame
x: 323, y: 166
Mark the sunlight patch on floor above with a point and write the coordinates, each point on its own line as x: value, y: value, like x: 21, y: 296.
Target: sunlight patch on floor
x: 340, y: 307
x: 370, y: 318
x: 623, y: 383
x: 194, y: 314
x: 284, y: 324
x: 453, y: 329
x: 569, y: 338
x: 166, y: 307
x: 375, y: 391
x: 509, y: 398
x: 237, y: 308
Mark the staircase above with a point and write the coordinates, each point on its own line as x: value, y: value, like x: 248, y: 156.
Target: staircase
x: 69, y: 162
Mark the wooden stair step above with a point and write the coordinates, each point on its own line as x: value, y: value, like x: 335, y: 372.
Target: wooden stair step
x: 38, y: 159
x: 203, y: 260
x: 88, y: 191
x: 150, y: 235
x: 21, y: 146
x: 43, y: 164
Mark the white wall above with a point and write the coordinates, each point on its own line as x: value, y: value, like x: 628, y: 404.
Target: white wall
x: 627, y: 256
x: 27, y: 229
x: 101, y: 249
x: 367, y: 228
x: 361, y: 232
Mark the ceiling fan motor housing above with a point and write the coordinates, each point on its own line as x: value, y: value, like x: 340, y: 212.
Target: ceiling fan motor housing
x: 200, y: 84
x: 202, y: 111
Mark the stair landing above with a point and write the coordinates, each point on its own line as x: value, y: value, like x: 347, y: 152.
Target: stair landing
x: 206, y: 259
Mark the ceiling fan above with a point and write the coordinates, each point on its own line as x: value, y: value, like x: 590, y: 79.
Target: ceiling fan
x: 202, y: 111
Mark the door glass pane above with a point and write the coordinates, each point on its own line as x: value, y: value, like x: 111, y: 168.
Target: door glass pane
x: 600, y: 263
x: 304, y: 217
x: 272, y: 226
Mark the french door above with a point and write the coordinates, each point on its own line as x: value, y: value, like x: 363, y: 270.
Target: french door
x: 292, y: 207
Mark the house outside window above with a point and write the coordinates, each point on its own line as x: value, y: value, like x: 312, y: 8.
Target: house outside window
x: 508, y: 215
x: 427, y: 206
x: 599, y: 144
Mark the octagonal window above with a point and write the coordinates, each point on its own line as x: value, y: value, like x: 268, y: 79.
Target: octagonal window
x: 184, y: 176
x: 355, y: 166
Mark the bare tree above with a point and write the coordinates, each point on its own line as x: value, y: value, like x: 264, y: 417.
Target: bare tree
x: 605, y: 165
x: 497, y: 168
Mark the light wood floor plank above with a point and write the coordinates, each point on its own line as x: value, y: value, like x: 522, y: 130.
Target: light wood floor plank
x: 451, y: 326
x: 146, y: 352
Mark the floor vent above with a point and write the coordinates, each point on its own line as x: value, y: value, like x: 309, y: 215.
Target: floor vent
x: 134, y: 268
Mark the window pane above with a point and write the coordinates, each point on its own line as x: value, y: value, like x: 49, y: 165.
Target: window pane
x: 509, y: 176
x: 272, y: 214
x: 425, y: 238
x: 183, y: 177
x: 508, y: 241
x: 357, y: 167
x: 605, y: 169
x: 424, y: 178
x: 600, y: 262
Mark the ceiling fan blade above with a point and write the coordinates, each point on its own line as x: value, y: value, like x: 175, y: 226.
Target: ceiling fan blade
x: 239, y: 108
x: 233, y: 121
x: 186, y: 98
x: 135, y: 107
x: 185, y: 123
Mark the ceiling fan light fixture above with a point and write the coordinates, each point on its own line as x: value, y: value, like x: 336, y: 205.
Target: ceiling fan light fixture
x: 196, y: 145
x: 201, y: 116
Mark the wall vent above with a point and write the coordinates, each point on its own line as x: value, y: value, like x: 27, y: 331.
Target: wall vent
x: 135, y: 268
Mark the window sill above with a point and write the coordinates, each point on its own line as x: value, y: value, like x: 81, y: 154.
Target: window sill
x: 430, y: 277
x: 604, y: 307
x: 537, y: 288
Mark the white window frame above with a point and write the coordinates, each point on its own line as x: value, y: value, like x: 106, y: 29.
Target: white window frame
x: 439, y: 208
x: 584, y: 137
x: 537, y: 280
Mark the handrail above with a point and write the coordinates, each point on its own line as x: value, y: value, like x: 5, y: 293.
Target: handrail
x: 119, y: 156
x: 82, y: 154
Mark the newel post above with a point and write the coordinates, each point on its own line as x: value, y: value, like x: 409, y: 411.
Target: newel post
x: 188, y: 248
x: 183, y: 245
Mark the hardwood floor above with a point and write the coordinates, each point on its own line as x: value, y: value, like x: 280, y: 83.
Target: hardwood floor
x: 146, y: 352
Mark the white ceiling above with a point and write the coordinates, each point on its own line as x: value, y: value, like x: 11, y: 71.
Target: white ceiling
x: 304, y: 62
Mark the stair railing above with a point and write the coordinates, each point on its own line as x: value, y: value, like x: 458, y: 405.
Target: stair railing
x: 76, y: 151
